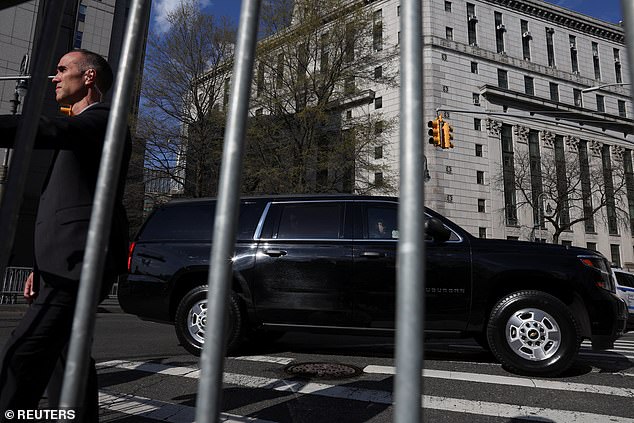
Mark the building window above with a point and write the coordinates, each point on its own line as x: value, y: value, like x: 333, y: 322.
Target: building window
x: 378, y: 152
x: 449, y: 33
x: 629, y: 185
x: 573, y: 53
x: 348, y: 114
x: 378, y: 127
x: 586, y: 191
x: 554, y: 91
x: 600, y: 103
x: 562, y: 180
x: 566, y: 243
x: 480, y: 177
x: 622, y: 111
x: 477, y: 124
x: 608, y: 181
x: 591, y: 246
x: 595, y: 60
x: 576, y: 94
x: 472, y: 21
x: 478, y: 150
x: 398, y: 10
x: 526, y: 40
x: 482, y: 232
x: 481, y: 205
x: 529, y: 85
x: 325, y: 53
x: 503, y: 79
x: 617, y: 66
x: 378, y: 102
x: 378, y: 178
x: 508, y: 175
x: 500, y: 29
x: 476, y: 99
x: 615, y: 254
x: 535, y: 161
x: 279, y: 72
x: 447, y: 6
x: 550, y: 47
x: 78, y: 37
x: 81, y: 15
x: 377, y: 30
x: 474, y: 67
x: 378, y: 72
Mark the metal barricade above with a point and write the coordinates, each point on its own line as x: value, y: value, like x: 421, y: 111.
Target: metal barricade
x: 13, y: 284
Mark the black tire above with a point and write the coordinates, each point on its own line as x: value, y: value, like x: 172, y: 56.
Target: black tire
x: 533, y: 333
x: 191, y: 319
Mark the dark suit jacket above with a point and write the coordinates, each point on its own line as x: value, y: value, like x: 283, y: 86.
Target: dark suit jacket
x: 67, y: 195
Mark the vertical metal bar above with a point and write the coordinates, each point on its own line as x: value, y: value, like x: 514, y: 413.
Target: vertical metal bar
x: 411, y: 247
x: 103, y: 204
x: 27, y: 129
x: 226, y: 221
x: 627, y: 9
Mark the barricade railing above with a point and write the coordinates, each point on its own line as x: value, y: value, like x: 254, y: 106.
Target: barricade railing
x: 13, y: 284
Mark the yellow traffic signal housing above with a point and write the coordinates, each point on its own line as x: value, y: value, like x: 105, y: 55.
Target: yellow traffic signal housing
x: 447, y: 136
x: 436, y: 131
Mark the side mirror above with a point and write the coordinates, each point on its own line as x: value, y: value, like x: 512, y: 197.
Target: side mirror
x: 437, y: 230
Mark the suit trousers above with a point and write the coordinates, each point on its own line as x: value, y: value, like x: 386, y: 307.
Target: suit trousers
x: 36, y: 346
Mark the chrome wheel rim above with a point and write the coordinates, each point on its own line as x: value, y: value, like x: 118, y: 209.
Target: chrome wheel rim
x: 197, y: 320
x: 533, y: 334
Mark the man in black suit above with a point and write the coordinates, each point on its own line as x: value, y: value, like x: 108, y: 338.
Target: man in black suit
x: 61, y: 231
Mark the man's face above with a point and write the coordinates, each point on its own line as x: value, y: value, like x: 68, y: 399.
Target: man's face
x: 69, y: 80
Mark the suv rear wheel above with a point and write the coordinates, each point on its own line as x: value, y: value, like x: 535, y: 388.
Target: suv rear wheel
x: 191, y: 321
x: 533, y: 332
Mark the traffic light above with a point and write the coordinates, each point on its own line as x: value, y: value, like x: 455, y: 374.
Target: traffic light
x: 435, y: 131
x: 446, y: 136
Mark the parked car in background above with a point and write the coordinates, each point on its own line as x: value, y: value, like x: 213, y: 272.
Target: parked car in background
x: 625, y: 289
x: 328, y: 263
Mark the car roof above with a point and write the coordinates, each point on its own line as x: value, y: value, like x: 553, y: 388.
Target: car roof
x: 286, y: 197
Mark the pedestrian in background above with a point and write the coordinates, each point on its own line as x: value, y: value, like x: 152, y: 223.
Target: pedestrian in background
x: 61, y: 230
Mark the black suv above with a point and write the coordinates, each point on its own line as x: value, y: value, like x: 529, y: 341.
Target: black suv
x: 329, y: 262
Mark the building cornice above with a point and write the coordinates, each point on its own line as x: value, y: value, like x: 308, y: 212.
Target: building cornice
x: 564, y: 17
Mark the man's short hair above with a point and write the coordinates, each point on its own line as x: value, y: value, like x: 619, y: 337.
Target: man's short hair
x: 92, y: 60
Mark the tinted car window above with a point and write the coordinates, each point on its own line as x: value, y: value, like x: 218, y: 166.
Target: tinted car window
x: 382, y: 222
x: 195, y: 222
x: 310, y: 221
x: 180, y: 222
x: 625, y: 279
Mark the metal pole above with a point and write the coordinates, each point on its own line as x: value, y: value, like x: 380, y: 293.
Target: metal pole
x: 103, y: 204
x: 27, y: 128
x: 411, y: 247
x: 226, y: 221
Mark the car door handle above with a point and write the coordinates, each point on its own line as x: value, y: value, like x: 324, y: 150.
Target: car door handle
x: 372, y: 254
x: 275, y: 253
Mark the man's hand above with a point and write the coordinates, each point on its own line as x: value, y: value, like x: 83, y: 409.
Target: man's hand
x: 30, y: 292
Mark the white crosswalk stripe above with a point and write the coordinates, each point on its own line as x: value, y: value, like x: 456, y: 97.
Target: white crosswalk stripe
x: 181, y: 414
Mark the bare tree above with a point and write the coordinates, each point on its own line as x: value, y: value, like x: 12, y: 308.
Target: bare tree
x: 312, y: 129
x: 182, y: 92
x: 569, y: 190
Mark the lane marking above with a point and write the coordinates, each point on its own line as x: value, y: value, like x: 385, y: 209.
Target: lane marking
x: 265, y: 359
x: 160, y: 410
x: 512, y: 381
x: 385, y: 397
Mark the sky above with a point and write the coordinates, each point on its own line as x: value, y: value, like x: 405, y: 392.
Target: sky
x: 606, y: 10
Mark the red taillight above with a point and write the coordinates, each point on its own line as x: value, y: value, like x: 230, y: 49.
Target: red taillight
x: 130, y: 251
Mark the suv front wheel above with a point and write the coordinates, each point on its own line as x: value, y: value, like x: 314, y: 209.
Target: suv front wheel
x: 191, y: 321
x: 532, y: 332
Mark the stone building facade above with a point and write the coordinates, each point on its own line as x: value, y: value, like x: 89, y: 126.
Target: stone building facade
x: 512, y: 76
